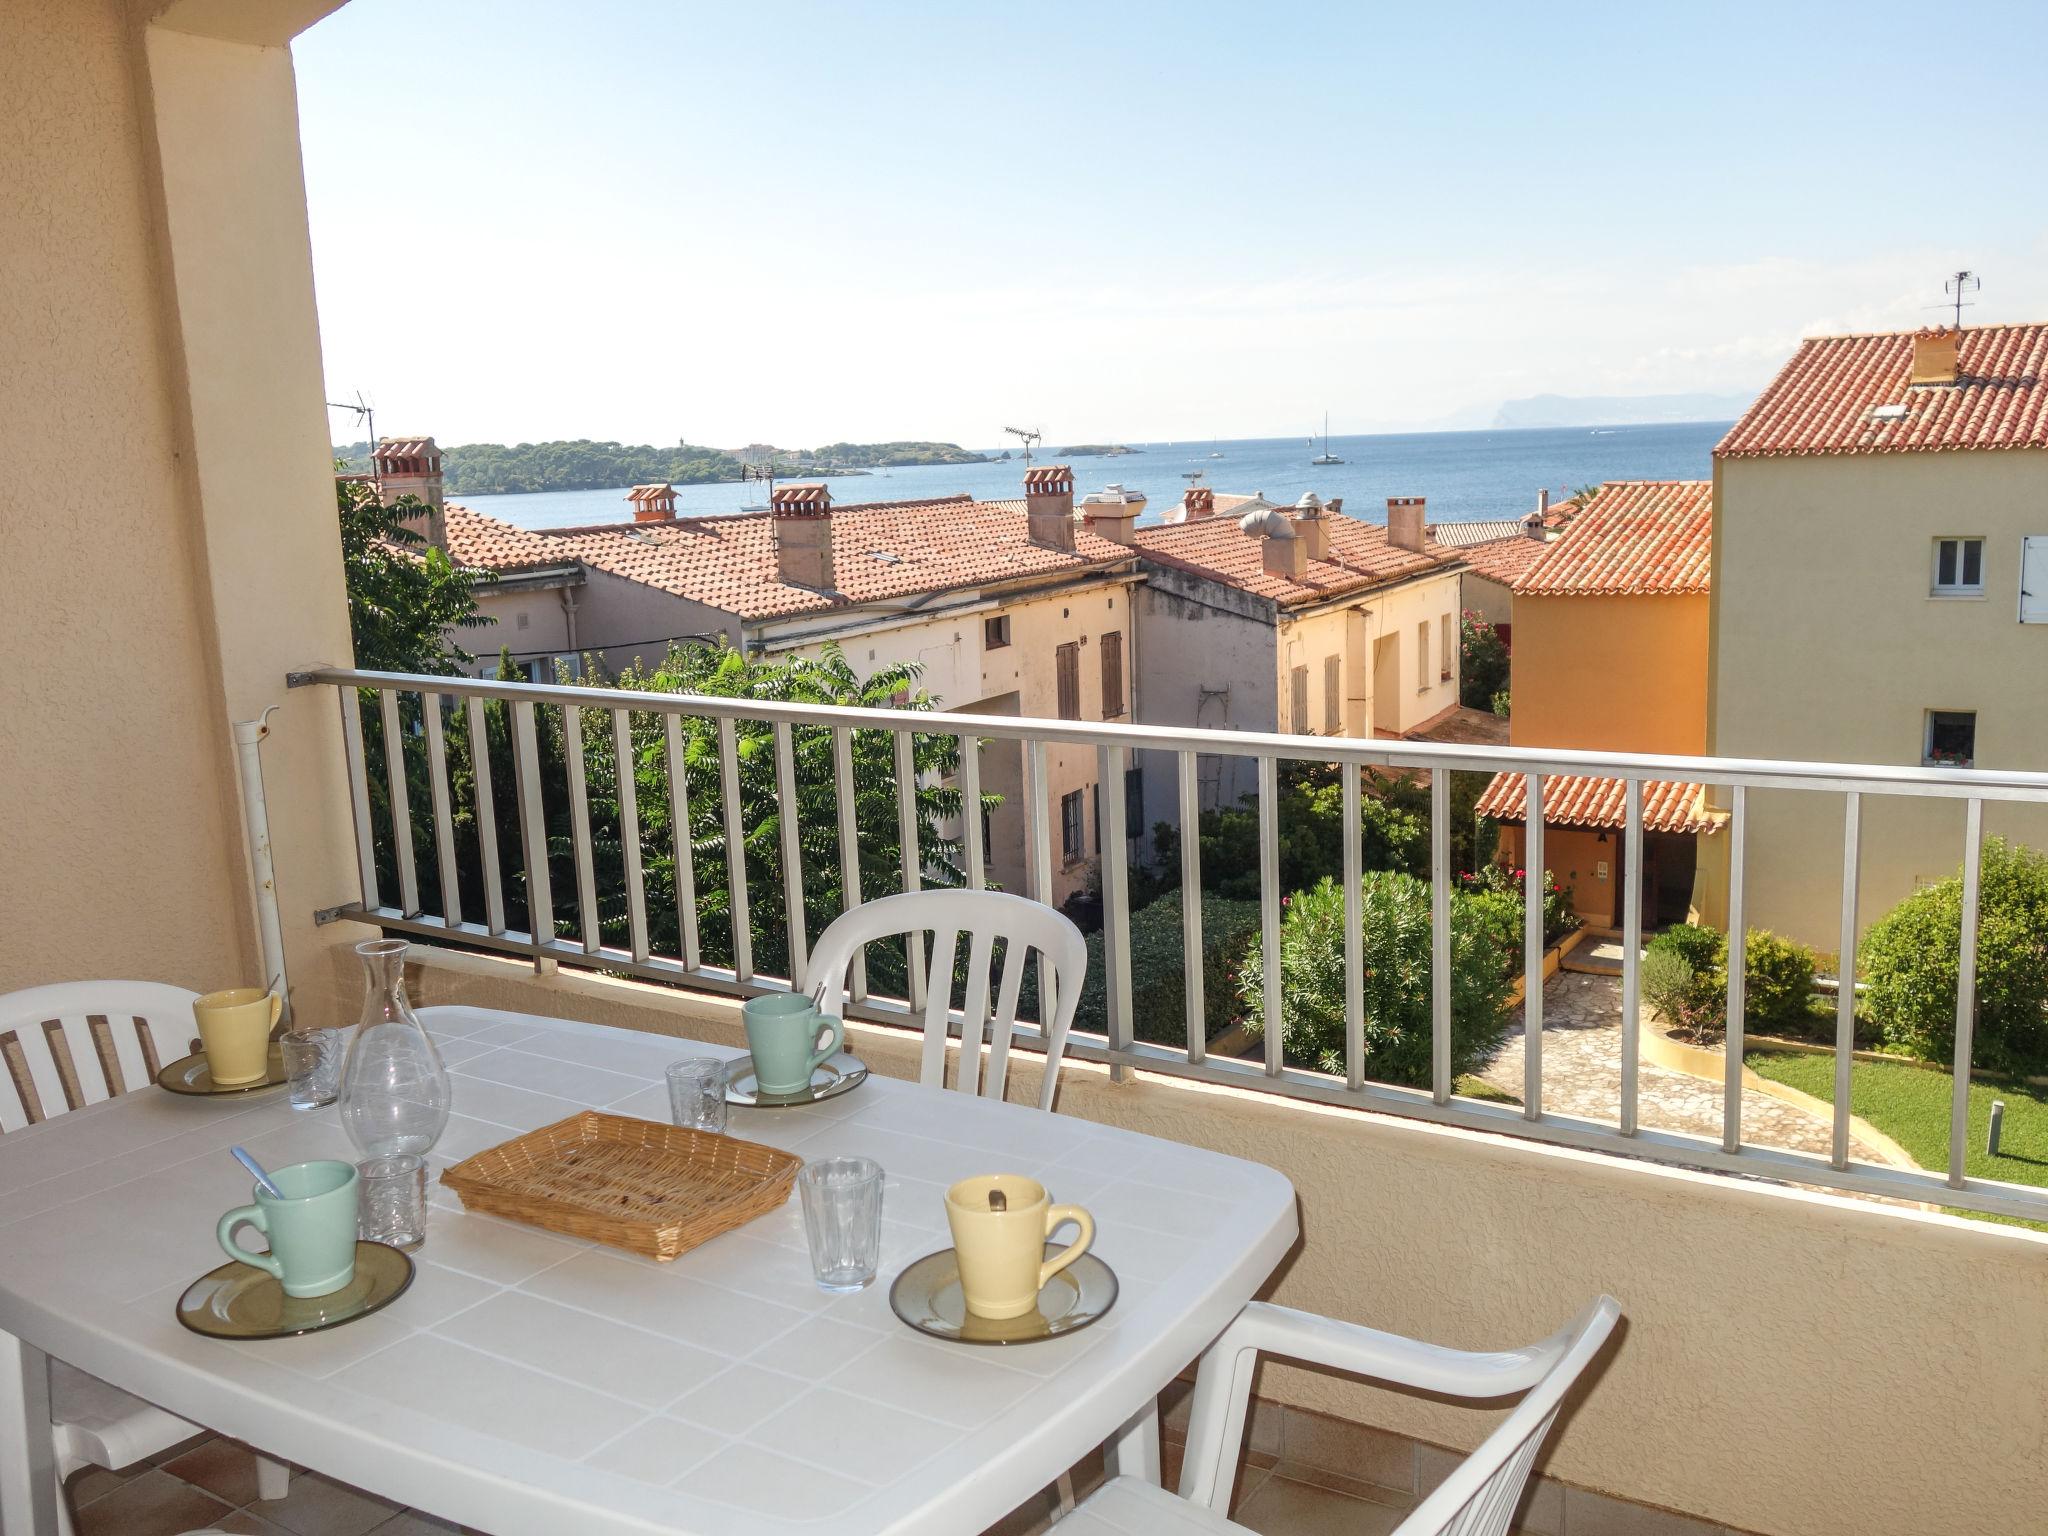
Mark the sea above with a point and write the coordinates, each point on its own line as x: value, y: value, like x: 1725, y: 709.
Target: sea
x: 1465, y: 476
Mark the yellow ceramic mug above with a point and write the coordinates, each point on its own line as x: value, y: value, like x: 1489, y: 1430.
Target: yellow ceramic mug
x: 1001, y: 1246
x: 234, y: 1030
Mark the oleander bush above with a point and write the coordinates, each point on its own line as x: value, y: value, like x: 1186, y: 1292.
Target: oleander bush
x: 1911, y: 958
x: 1690, y: 987
x: 1394, y: 921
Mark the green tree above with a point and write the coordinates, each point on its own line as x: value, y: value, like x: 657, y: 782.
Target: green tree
x: 405, y: 596
x: 1394, y: 929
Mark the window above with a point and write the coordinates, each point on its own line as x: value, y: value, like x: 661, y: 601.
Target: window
x: 1445, y: 638
x: 1073, y: 827
x: 1951, y: 738
x: 1112, y: 674
x: 1958, y: 567
x: 1297, y: 700
x: 1333, y: 695
x: 995, y: 632
x: 1422, y: 656
x: 1067, y: 668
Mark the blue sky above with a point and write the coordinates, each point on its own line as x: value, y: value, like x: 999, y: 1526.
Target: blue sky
x: 802, y: 223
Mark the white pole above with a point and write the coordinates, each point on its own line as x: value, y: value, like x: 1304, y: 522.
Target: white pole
x: 249, y: 736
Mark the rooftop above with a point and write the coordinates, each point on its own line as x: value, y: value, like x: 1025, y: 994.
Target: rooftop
x: 1636, y: 538
x: 1828, y: 398
x: 880, y: 550
x: 1506, y: 559
x: 1582, y: 800
x: 1459, y: 535
x: 1360, y: 558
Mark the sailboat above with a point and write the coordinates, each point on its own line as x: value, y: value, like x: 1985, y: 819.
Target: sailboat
x: 1326, y: 457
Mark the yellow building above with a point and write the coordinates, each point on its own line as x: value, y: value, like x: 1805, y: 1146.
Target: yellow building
x: 1881, y: 596
x: 1610, y: 655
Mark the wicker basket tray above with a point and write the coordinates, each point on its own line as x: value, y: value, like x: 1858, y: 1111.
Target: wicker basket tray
x: 635, y: 1184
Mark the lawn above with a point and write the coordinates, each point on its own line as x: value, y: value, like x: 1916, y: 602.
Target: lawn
x: 1911, y: 1105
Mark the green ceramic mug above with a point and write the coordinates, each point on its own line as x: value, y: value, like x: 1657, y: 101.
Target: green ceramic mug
x: 312, y: 1231
x: 783, y: 1030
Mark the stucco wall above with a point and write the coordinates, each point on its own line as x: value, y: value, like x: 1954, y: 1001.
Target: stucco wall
x: 1828, y: 647
x: 1578, y: 858
x: 617, y: 620
x: 1610, y: 674
x: 1493, y: 601
x: 1790, y: 1363
x: 1350, y: 633
x: 133, y: 629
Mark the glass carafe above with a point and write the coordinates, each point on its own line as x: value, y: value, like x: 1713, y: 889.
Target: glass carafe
x: 394, y: 1089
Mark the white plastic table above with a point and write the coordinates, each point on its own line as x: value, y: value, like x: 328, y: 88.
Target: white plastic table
x: 530, y: 1384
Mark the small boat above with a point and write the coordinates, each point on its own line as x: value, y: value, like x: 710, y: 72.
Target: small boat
x: 1325, y: 457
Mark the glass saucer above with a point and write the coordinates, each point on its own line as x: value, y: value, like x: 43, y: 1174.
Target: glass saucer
x: 927, y: 1296
x: 842, y: 1074
x: 240, y: 1301
x: 191, y: 1075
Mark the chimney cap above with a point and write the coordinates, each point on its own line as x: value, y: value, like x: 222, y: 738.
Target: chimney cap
x: 1266, y: 523
x: 801, y: 500
x: 1310, y: 505
x: 1049, y: 479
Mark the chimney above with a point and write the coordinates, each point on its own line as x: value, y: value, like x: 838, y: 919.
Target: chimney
x: 1049, y: 505
x: 1311, y: 530
x: 1934, y: 356
x: 1542, y: 501
x: 1404, y: 522
x: 802, y: 515
x: 1112, y: 513
x: 1198, y: 504
x: 411, y: 466
x: 1280, y: 552
x: 653, y: 503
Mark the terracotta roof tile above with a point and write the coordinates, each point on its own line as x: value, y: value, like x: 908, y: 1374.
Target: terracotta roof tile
x: 1505, y: 560
x: 1360, y: 558
x: 1635, y: 538
x: 1459, y: 535
x: 880, y: 550
x: 1823, y: 400
x: 1583, y: 800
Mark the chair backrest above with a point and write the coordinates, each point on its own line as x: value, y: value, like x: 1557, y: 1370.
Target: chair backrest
x: 1480, y: 1495
x: 147, y: 1025
x: 985, y: 917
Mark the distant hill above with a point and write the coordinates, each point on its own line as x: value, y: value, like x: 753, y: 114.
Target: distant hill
x: 1097, y: 451
x: 491, y: 469
x: 1617, y: 410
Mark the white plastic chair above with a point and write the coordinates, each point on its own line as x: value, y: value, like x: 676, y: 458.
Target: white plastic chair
x: 148, y: 1025
x: 1477, y: 1499
x: 984, y: 916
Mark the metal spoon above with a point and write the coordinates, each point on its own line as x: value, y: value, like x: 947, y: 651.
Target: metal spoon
x: 268, y: 1184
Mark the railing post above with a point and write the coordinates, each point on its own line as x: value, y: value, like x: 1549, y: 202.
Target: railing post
x: 1038, y: 862
x: 1192, y: 953
x: 486, y: 815
x: 794, y: 922
x: 444, y: 816
x: 971, y: 838
x: 1845, y: 996
x: 913, y: 858
x: 1440, y: 935
x: 1116, y: 903
x: 533, y: 827
x: 1354, y: 940
x: 1738, y: 974
x: 359, y: 796
x: 401, y: 804
x: 1966, y: 994
x: 849, y: 851
x: 1535, y: 888
x: 735, y: 850
x: 579, y: 830
x: 1631, y: 952
x: 626, y: 770
x: 688, y: 939
x: 1269, y: 909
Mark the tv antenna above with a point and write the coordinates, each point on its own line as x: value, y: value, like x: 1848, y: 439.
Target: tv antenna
x: 1955, y: 287
x: 366, y: 416
x: 760, y: 472
x: 1192, y: 475
x: 1027, y: 436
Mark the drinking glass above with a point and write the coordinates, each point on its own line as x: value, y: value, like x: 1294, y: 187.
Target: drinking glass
x: 392, y: 1197
x: 312, y: 1062
x: 696, y: 1093
x: 843, y: 1220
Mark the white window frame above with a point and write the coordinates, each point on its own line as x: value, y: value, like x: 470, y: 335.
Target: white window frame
x: 1956, y: 588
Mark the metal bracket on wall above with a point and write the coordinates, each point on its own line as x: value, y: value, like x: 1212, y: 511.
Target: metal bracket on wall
x: 322, y: 916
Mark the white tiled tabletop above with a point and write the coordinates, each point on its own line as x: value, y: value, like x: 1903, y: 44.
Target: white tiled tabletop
x: 533, y: 1385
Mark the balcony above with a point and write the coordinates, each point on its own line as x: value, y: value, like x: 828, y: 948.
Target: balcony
x: 1762, y: 1282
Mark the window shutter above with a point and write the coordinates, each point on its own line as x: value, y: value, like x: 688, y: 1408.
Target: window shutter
x: 1333, y: 696
x: 1112, y: 674
x: 1068, y: 667
x: 2034, y: 579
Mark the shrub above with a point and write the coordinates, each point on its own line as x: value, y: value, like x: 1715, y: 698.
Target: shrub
x: 1502, y: 703
x: 1482, y: 661
x: 1777, y: 983
x: 1558, y: 917
x: 1911, y: 957
x: 1394, y: 923
x: 1159, y: 996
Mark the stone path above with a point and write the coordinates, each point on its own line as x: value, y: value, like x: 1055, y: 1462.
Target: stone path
x: 1582, y: 1076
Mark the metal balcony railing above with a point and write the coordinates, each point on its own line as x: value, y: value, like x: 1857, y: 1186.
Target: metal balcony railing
x: 615, y: 710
